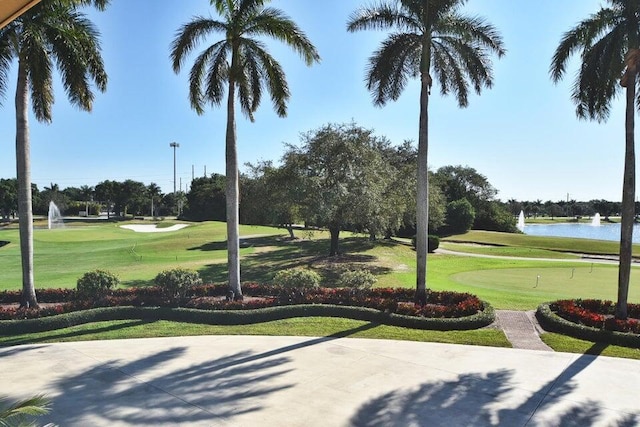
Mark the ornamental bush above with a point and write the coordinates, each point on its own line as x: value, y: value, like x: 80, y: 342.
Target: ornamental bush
x: 357, y: 279
x: 96, y: 284
x: 433, y: 242
x: 297, y: 278
x: 175, y: 283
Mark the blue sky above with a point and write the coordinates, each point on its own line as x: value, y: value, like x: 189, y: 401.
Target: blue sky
x: 522, y: 134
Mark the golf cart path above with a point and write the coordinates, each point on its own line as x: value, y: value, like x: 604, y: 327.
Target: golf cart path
x: 585, y: 257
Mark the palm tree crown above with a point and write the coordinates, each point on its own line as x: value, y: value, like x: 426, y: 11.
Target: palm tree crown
x: 251, y: 66
x: 458, y: 47
x: 54, y: 34
x: 604, y: 40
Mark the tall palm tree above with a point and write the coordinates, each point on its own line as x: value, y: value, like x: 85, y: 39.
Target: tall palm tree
x: 430, y: 36
x: 241, y: 62
x: 609, y: 43
x: 52, y: 33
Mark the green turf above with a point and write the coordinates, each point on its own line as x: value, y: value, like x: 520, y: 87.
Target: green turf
x: 63, y: 255
x: 567, y: 344
x: 508, y: 251
x: 308, y: 326
x: 561, y: 244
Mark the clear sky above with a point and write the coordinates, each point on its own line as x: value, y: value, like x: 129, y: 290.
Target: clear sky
x: 522, y: 134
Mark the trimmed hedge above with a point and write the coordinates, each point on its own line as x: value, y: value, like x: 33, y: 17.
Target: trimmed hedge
x: 554, y: 323
x: 230, y: 317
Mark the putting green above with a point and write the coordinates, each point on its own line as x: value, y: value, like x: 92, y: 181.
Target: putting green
x: 591, y: 281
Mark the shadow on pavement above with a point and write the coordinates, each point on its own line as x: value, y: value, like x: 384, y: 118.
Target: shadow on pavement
x: 480, y: 400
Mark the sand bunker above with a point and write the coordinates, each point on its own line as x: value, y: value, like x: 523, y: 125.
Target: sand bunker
x: 153, y: 228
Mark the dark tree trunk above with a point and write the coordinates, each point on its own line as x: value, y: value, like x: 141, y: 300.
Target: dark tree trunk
x: 290, y: 230
x: 335, y: 234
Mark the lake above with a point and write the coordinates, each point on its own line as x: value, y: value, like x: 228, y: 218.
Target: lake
x: 581, y: 231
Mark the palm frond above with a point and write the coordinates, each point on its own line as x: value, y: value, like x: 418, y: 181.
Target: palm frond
x: 17, y: 413
x: 211, y: 65
x: 274, y: 78
x: 7, y: 54
x: 471, y: 29
x: 581, y: 37
x: 381, y: 17
x: 597, y: 82
x: 390, y: 66
x: 275, y: 24
x: 452, y: 73
x: 188, y: 37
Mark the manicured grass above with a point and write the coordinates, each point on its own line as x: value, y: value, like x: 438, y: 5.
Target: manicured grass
x: 308, y: 326
x: 509, y: 251
x: 561, y: 244
x: 61, y: 256
x: 567, y: 344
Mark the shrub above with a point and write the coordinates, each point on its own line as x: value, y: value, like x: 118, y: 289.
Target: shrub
x: 96, y: 284
x: 433, y: 242
x: 460, y: 216
x: 175, y: 283
x: 297, y: 278
x: 357, y: 279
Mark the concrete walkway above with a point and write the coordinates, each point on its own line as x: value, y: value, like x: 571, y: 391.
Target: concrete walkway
x: 298, y: 381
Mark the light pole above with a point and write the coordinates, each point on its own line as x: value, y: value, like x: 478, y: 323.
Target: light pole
x: 174, y: 145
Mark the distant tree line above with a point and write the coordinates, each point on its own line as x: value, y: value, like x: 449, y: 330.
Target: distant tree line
x: 567, y: 208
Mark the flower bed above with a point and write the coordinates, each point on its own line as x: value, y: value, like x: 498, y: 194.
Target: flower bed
x: 592, y: 320
x: 598, y: 314
x: 395, y: 304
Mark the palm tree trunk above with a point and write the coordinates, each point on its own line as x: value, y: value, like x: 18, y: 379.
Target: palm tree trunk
x: 233, y: 233
x: 23, y: 168
x: 628, y: 201
x: 422, y: 196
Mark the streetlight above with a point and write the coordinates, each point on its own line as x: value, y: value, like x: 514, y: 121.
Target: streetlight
x: 174, y: 145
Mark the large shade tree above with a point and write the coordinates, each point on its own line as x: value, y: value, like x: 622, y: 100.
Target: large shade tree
x: 52, y: 34
x: 240, y: 62
x: 609, y: 46
x: 429, y: 38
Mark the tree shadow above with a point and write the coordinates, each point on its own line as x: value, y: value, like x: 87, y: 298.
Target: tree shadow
x: 57, y: 335
x: 4, y: 243
x: 485, y: 400
x: 221, y: 245
x: 147, y: 391
x: 165, y: 388
x: 261, y: 265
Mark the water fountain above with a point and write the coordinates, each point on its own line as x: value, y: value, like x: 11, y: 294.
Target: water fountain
x: 54, y: 219
x: 521, y: 221
x: 596, y: 220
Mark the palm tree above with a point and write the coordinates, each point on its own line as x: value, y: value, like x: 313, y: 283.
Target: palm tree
x: 242, y: 63
x: 51, y: 33
x: 430, y: 36
x: 19, y: 413
x: 609, y: 46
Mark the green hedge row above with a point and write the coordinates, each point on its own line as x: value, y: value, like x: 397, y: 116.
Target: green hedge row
x: 243, y: 317
x: 554, y: 323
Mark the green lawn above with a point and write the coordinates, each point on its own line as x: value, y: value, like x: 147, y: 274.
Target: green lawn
x: 63, y: 255
x: 308, y: 326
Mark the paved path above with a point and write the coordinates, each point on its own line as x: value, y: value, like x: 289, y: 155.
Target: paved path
x: 299, y: 381
x: 521, y: 329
